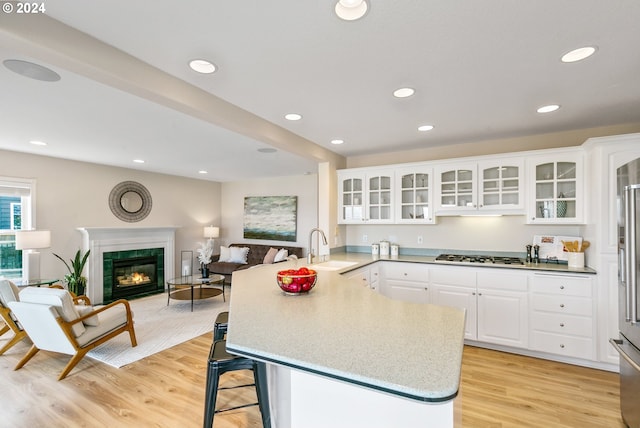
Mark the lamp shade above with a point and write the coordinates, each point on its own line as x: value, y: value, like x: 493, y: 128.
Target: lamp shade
x: 211, y: 232
x: 32, y: 239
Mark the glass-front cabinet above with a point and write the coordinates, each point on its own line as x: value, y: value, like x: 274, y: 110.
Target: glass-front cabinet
x: 351, y: 191
x: 556, y: 189
x: 415, y: 195
x: 365, y: 197
x: 501, y: 186
x: 457, y: 185
x: 481, y: 187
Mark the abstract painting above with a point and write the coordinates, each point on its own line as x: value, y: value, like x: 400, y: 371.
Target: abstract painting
x: 270, y: 217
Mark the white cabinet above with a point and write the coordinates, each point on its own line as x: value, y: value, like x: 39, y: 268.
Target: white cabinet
x: 366, y: 276
x: 415, y: 195
x: 556, y: 188
x: 456, y: 184
x: 491, y: 186
x: 562, y: 315
x: 405, y: 281
x: 365, y: 196
x: 604, y: 156
x: 501, y: 185
x: 503, y: 308
x: 496, y: 302
x: 456, y: 287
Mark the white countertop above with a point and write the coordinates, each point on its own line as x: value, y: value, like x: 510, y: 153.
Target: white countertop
x: 363, y: 259
x: 348, y: 332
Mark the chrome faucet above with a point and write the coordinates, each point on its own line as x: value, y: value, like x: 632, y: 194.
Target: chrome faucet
x: 324, y: 242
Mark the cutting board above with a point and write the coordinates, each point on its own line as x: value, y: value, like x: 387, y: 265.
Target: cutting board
x: 551, y: 247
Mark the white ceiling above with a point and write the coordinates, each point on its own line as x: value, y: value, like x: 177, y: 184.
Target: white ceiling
x: 480, y: 69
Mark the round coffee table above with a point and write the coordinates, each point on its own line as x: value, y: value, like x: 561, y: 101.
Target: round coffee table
x: 194, y: 288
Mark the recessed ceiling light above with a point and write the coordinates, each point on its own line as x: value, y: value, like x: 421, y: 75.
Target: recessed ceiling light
x: 425, y: 127
x: 31, y: 70
x: 337, y: 142
x: 267, y: 150
x: 138, y: 161
x: 293, y: 116
x: 202, y: 66
x: 548, y: 109
x: 202, y: 171
x: 403, y: 92
x: 578, y: 54
x: 350, y: 10
x: 38, y: 143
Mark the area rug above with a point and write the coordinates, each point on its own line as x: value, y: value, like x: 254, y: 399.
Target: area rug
x: 159, y: 327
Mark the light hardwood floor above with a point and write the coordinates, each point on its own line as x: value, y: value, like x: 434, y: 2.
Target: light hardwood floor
x: 167, y: 390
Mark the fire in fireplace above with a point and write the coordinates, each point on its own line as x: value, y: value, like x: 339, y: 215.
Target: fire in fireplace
x: 133, y: 273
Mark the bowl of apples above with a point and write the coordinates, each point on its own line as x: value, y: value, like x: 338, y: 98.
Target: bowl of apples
x: 297, y: 281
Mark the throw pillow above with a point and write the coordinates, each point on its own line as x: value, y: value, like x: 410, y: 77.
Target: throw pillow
x: 239, y: 255
x: 225, y: 254
x: 281, y: 256
x: 84, y: 310
x: 270, y: 256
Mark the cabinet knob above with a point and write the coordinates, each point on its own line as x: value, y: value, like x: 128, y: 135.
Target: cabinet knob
x: 561, y: 324
x: 473, y: 294
x: 562, y: 305
x: 562, y: 287
x: 405, y: 274
x: 562, y: 345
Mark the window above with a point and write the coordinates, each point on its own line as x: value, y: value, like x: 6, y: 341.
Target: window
x: 16, y: 213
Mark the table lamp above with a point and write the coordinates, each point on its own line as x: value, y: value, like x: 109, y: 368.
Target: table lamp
x: 30, y: 240
x: 211, y: 232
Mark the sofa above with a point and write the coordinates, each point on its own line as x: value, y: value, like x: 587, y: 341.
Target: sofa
x: 255, y: 256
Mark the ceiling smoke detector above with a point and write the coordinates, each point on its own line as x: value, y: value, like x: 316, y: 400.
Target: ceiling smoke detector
x: 350, y: 10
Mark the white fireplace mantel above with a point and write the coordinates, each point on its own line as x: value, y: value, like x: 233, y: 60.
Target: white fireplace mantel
x: 107, y: 239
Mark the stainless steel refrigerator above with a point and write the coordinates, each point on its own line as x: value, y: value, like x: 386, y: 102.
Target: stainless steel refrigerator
x: 628, y: 344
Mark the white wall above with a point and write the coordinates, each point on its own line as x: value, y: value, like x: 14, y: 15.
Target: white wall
x: 72, y: 194
x: 232, y: 201
x: 506, y: 233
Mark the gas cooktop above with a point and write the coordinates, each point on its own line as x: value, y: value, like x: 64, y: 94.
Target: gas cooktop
x: 458, y: 258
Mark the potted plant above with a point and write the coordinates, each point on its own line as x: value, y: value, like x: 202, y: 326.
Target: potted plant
x: 76, y: 282
x: 204, y: 257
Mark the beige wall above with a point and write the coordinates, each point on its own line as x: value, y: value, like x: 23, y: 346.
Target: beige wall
x: 72, y: 194
x: 478, y: 148
x: 304, y: 187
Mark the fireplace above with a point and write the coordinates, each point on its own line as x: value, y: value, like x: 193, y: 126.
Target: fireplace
x: 132, y: 273
x: 130, y: 241
x: 134, y: 277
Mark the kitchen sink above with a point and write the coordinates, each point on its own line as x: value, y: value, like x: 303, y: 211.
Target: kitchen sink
x: 332, y: 265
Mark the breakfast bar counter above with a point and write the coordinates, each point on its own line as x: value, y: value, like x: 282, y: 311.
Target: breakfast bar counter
x: 344, y: 355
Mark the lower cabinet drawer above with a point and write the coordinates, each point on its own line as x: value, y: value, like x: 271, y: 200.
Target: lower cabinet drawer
x: 562, y: 324
x: 569, y: 346
x: 406, y: 271
x: 562, y: 304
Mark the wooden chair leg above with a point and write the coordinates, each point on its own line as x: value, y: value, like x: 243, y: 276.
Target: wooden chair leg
x: 15, y: 339
x: 72, y: 363
x: 132, y: 335
x: 33, y: 351
x: 4, y: 329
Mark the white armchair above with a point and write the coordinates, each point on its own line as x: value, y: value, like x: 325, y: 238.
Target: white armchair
x: 54, y: 323
x: 9, y: 293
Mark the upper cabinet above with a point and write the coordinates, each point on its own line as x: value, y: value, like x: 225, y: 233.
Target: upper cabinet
x: 491, y: 187
x: 556, y: 188
x: 414, y: 189
x: 365, y: 196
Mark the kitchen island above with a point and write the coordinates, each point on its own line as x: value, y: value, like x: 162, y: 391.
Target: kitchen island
x: 345, y: 356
